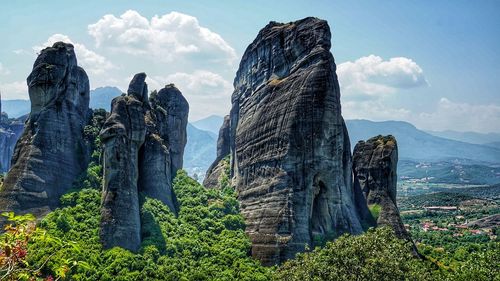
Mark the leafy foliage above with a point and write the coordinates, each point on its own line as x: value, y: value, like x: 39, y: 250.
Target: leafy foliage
x: 205, y: 242
x: 379, y: 255
x: 375, y: 255
x: 375, y: 210
x: 14, y: 250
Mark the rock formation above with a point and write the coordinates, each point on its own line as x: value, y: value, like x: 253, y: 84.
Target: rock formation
x: 223, y: 149
x: 375, y: 173
x: 51, y: 152
x: 122, y: 136
x: 10, y: 132
x: 290, y: 149
x: 163, y: 150
x: 143, y: 143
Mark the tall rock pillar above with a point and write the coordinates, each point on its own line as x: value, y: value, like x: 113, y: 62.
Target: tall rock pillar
x: 51, y: 152
x: 122, y: 136
x: 289, y: 147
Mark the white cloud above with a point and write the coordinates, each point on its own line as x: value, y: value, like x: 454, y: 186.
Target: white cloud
x: 3, y: 70
x: 20, y: 52
x: 374, y: 110
x: 14, y: 90
x: 207, y: 92
x: 166, y: 38
x: 372, y: 76
x: 461, y: 117
x: 92, y: 62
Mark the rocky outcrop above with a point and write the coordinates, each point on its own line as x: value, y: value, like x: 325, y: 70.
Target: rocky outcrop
x: 289, y: 146
x: 163, y: 150
x: 375, y: 173
x: 10, y: 132
x: 122, y: 136
x: 51, y: 152
x: 217, y: 174
x: 223, y: 149
x: 143, y: 143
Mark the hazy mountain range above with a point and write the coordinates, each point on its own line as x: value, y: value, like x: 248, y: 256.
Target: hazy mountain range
x: 415, y: 146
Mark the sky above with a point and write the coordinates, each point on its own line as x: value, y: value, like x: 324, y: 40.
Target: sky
x: 432, y: 63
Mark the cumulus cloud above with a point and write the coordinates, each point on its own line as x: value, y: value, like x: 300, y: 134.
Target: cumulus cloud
x: 88, y: 59
x: 375, y: 110
x: 14, y: 90
x: 460, y: 116
x: 444, y: 115
x: 167, y: 37
x: 372, y: 76
x: 3, y: 70
x: 207, y: 92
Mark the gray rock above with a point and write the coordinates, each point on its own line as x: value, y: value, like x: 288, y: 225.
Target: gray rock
x: 289, y: 147
x: 375, y: 173
x: 223, y: 149
x: 10, y: 132
x: 143, y: 144
x: 215, y: 176
x: 51, y: 152
x: 122, y: 136
x: 166, y: 139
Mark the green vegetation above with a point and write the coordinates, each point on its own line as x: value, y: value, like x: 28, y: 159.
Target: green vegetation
x: 375, y: 210
x: 379, y: 255
x: 206, y: 241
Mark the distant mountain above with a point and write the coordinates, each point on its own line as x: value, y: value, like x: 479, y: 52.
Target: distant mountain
x: 457, y: 172
x: 16, y: 108
x: 418, y: 145
x: 101, y: 97
x: 495, y: 144
x: 470, y: 137
x: 200, y: 151
x: 211, y: 123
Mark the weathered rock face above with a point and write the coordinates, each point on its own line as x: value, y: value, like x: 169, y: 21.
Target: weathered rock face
x: 10, y: 132
x: 143, y: 144
x: 223, y: 149
x: 164, y: 147
x: 215, y: 176
x: 289, y: 146
x: 51, y: 152
x: 375, y: 173
x: 122, y: 136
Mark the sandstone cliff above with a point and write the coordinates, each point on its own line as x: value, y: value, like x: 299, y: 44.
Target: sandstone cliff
x: 375, y: 173
x: 51, y: 152
x: 143, y: 141
x: 289, y: 146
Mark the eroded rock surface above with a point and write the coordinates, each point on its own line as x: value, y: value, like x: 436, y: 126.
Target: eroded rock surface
x: 163, y: 150
x: 10, y: 132
x: 223, y: 149
x: 375, y: 173
x: 122, y: 136
x: 143, y: 142
x: 51, y: 152
x: 289, y: 146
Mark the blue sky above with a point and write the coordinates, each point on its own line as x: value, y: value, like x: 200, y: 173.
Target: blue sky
x: 433, y: 63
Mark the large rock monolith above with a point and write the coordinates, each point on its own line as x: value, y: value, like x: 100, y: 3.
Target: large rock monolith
x: 289, y: 146
x: 51, y: 151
